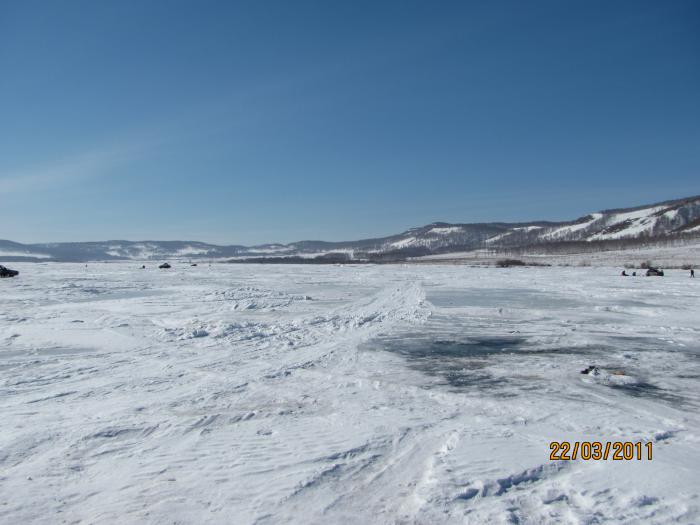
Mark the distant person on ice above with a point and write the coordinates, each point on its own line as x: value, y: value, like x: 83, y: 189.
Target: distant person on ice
x: 692, y: 272
x: 624, y: 273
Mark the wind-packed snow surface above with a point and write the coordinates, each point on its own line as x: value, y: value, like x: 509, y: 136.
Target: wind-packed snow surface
x: 320, y: 394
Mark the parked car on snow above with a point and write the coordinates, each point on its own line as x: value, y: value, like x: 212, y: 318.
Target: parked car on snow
x: 6, y: 272
x: 164, y: 265
x: 655, y: 272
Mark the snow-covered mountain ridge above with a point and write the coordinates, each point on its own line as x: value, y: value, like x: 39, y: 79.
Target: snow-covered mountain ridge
x: 676, y: 219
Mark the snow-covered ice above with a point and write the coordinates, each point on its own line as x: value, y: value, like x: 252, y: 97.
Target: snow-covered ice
x: 345, y: 394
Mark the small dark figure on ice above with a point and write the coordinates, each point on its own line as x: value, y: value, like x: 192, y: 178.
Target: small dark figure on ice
x: 6, y: 272
x: 692, y: 273
x: 591, y: 370
x: 624, y: 273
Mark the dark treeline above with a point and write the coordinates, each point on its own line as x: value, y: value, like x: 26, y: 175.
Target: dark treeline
x: 572, y: 247
x: 330, y: 258
x: 542, y: 248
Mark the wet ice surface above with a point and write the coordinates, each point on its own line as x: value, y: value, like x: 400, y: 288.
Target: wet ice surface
x: 389, y: 394
x: 491, y: 353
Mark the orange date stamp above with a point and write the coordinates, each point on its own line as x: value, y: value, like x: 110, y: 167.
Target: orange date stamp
x: 597, y: 450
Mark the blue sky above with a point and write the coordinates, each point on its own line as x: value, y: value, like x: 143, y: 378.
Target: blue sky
x: 249, y: 122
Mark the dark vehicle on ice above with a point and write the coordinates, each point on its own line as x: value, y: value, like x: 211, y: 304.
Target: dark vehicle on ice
x: 164, y: 265
x: 655, y: 272
x: 6, y: 272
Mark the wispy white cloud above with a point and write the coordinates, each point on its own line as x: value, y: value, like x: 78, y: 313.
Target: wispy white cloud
x: 66, y: 171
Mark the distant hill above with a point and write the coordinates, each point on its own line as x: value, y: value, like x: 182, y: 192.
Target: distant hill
x: 675, y: 221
